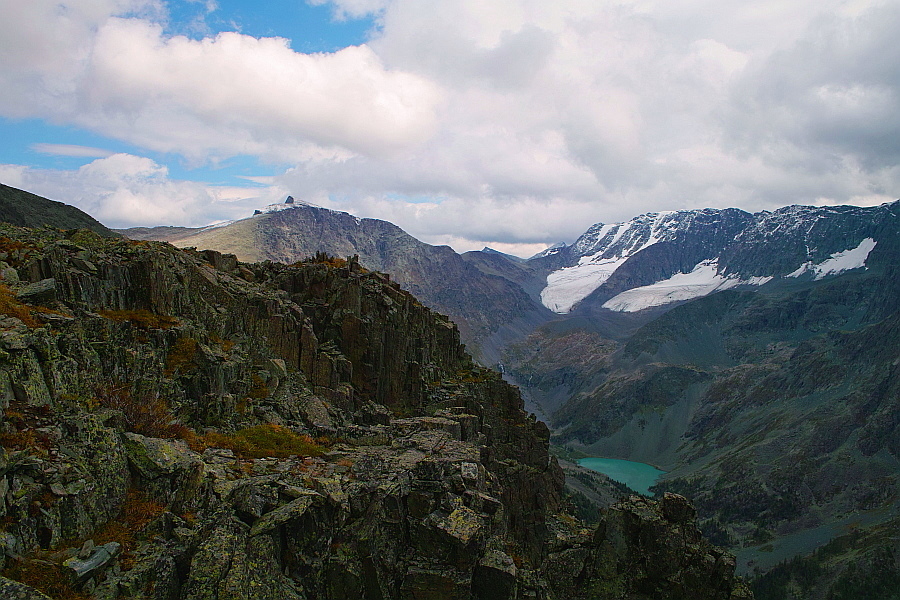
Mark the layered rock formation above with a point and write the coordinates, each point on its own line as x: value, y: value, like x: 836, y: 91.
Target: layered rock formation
x: 177, y: 424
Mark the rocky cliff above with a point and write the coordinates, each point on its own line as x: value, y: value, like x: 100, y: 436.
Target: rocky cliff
x: 180, y: 425
x: 482, y: 304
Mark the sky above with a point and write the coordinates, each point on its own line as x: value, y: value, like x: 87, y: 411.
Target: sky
x: 513, y: 124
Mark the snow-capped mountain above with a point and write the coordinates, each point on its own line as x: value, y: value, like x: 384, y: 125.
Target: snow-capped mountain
x: 659, y: 258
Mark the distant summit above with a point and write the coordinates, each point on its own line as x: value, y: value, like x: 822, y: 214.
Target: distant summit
x: 489, y: 250
x: 548, y: 251
x: 289, y: 202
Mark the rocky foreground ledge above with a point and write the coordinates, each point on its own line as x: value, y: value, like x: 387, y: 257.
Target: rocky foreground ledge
x: 177, y: 425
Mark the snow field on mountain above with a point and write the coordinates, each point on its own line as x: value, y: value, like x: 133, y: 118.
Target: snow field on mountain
x: 854, y: 258
x: 702, y: 280
x: 617, y: 242
x: 571, y: 285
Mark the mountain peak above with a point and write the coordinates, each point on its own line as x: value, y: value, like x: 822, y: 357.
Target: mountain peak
x: 555, y: 248
x: 489, y: 250
x: 290, y: 202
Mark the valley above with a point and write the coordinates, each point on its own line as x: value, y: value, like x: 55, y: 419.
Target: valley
x: 752, y: 357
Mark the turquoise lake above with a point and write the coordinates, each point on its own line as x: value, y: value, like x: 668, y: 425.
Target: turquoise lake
x: 637, y: 476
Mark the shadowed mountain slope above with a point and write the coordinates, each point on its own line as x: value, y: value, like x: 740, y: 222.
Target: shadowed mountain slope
x: 25, y: 209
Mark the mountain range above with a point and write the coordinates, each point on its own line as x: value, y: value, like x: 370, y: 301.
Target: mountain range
x: 754, y: 357
x: 176, y: 424
x: 488, y: 307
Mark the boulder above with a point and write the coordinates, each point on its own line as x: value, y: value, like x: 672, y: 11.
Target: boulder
x: 99, y: 559
x: 38, y: 293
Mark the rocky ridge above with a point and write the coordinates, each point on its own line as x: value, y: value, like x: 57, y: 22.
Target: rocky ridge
x: 734, y: 246
x: 177, y: 424
x: 482, y: 304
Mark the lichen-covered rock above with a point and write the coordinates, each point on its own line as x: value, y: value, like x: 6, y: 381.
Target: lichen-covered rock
x: 39, y: 292
x: 167, y: 469
x: 13, y: 590
x: 655, y: 556
x: 494, y: 577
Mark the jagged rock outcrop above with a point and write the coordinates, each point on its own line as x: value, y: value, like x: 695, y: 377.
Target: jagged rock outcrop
x: 177, y: 424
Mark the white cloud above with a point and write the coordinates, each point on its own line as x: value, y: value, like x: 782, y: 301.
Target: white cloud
x: 235, y: 94
x: 124, y: 190
x: 485, y: 222
x: 71, y: 150
x: 354, y: 9
x: 622, y: 108
x: 77, y: 62
x: 508, y: 122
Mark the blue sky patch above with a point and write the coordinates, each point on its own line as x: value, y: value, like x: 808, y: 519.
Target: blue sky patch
x: 310, y: 28
x: 36, y: 143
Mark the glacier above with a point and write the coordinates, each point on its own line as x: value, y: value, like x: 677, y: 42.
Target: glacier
x: 704, y: 279
x: 605, y: 248
x: 854, y: 258
x: 566, y: 287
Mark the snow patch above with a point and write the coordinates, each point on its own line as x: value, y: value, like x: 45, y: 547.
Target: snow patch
x: 216, y: 225
x: 603, y: 249
x: 855, y: 258
x: 571, y: 285
x: 273, y: 208
x: 704, y: 279
x: 757, y: 280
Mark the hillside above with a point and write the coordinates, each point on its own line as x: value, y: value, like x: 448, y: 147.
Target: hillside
x: 25, y: 209
x: 177, y: 424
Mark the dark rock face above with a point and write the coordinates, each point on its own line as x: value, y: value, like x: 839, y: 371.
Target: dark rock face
x: 154, y: 414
